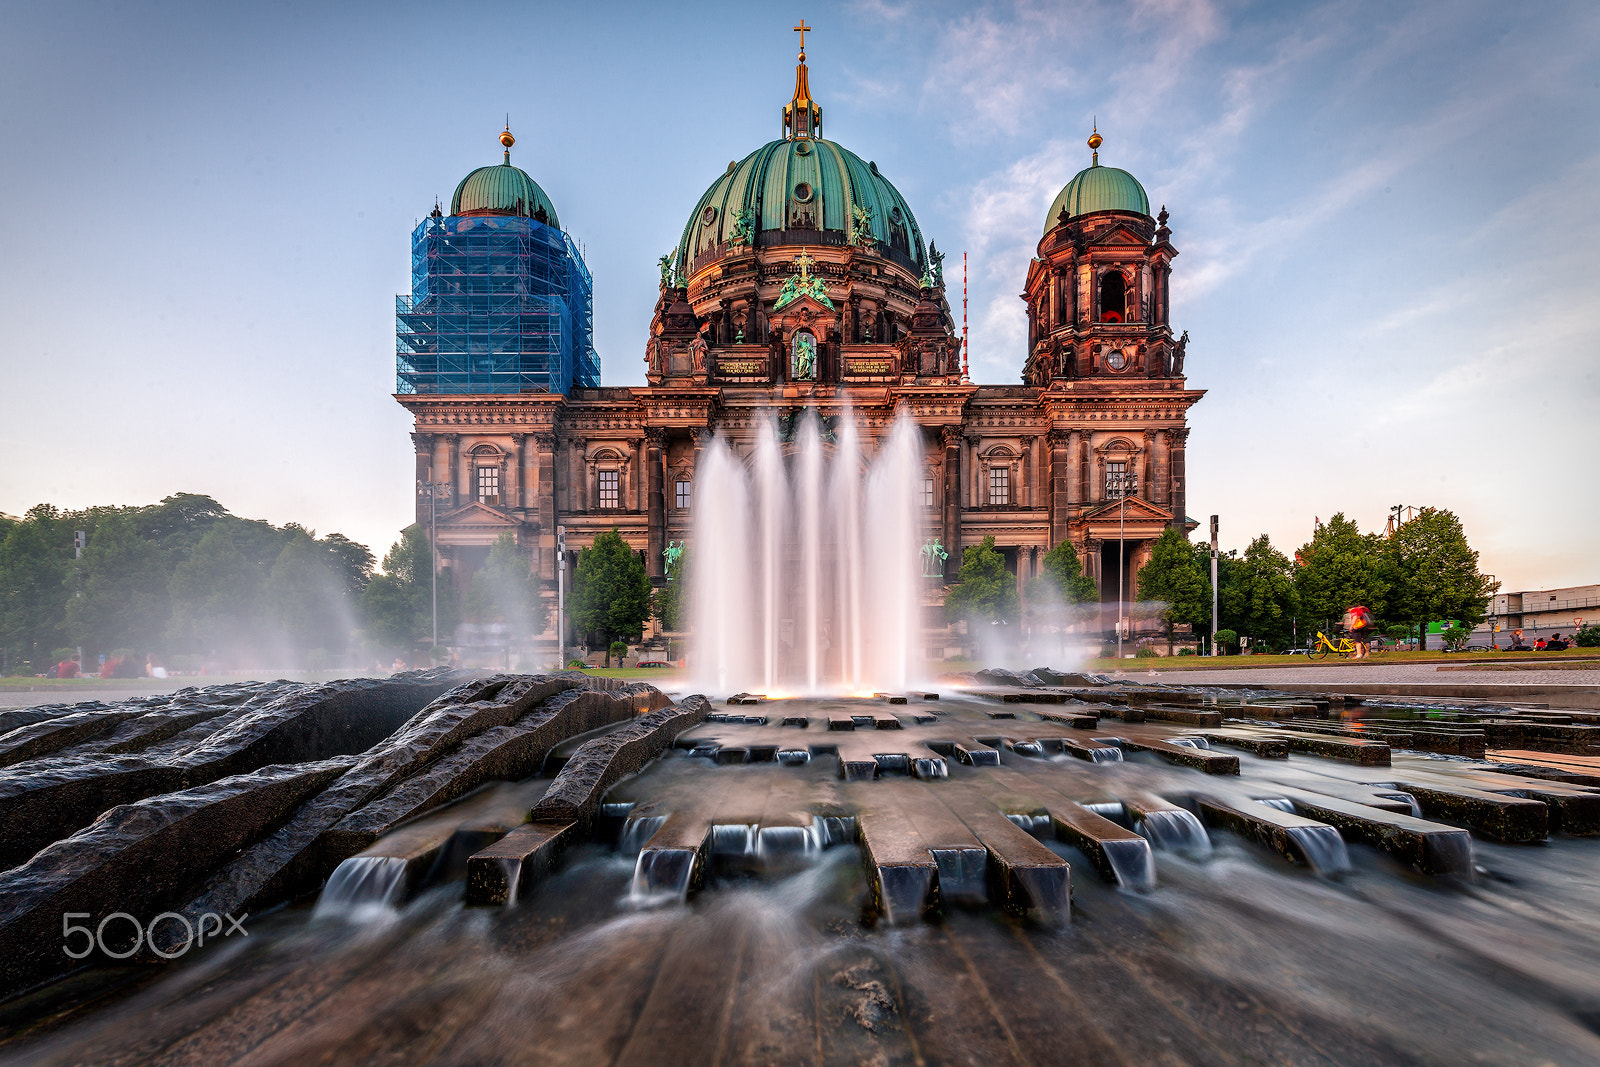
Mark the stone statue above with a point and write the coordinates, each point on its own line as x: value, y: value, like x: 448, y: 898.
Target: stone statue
x: 698, y: 347
x: 803, y: 283
x: 805, y: 355
x: 653, y: 355
x: 673, y: 553
x: 861, y: 228
x: 936, y: 265
x: 1178, y: 353
x: 933, y: 557
x: 743, y: 227
x: 665, y: 263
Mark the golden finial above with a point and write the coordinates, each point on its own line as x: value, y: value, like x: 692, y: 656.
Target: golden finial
x: 506, y: 138
x: 802, y: 30
x: 1095, y: 141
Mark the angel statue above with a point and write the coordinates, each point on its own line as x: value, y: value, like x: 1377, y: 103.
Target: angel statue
x: 936, y: 265
x: 665, y: 263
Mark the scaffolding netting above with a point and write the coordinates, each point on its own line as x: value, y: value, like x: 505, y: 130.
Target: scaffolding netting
x: 498, y: 304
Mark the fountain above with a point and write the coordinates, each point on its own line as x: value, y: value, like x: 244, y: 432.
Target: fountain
x: 806, y: 577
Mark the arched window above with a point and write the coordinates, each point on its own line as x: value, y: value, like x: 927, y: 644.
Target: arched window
x: 488, y: 469
x: 609, y: 469
x: 1113, y: 297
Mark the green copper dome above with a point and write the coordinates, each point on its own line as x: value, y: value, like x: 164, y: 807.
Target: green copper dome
x: 1098, y: 188
x: 502, y: 190
x: 802, y: 185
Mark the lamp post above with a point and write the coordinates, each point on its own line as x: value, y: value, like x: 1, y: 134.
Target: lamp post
x: 432, y: 490
x: 1122, y: 483
x: 1213, y: 585
x: 561, y: 598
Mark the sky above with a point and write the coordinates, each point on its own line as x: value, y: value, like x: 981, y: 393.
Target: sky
x: 1386, y: 213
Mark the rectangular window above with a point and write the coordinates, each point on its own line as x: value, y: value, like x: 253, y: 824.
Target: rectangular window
x: 610, y: 490
x: 683, y: 496
x: 999, y: 485
x: 489, y: 485
x: 1119, y: 481
x: 927, y: 492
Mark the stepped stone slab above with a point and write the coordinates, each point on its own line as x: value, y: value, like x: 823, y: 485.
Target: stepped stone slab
x: 1428, y: 846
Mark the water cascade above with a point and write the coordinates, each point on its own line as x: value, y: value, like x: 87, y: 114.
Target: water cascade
x: 363, y: 880
x: 806, y: 574
x: 1322, y: 848
x: 1174, y: 830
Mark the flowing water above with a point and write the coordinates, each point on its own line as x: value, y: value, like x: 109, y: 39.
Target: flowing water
x: 1225, y: 954
x: 808, y: 549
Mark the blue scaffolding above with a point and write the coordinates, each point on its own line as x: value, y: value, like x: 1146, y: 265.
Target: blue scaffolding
x: 498, y: 304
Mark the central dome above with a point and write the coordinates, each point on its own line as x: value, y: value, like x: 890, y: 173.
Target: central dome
x: 801, y: 191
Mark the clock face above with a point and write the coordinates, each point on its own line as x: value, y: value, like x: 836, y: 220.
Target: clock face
x: 1115, y: 359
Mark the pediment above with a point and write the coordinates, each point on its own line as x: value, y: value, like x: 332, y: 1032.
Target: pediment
x: 1134, y: 510
x: 477, y: 513
x: 804, y: 309
x: 1119, y: 235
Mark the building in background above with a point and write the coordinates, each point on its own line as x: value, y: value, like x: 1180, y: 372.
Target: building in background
x: 802, y: 280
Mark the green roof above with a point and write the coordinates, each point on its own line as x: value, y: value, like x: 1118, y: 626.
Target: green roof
x: 1098, y: 188
x: 783, y: 179
x: 502, y: 190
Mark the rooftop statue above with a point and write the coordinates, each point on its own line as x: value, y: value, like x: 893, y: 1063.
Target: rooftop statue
x: 803, y: 283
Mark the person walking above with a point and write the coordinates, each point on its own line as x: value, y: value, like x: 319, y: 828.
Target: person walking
x: 1358, y: 621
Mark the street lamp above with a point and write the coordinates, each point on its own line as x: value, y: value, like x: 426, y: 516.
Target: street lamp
x: 1121, y: 483
x: 433, y: 490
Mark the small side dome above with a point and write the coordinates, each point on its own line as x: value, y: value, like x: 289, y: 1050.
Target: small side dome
x: 503, y: 190
x: 1097, y: 188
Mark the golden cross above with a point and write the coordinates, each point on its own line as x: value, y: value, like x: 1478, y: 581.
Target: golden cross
x: 802, y: 29
x: 804, y: 261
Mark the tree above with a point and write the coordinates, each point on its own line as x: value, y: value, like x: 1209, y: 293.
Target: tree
x: 505, y: 590
x: 1434, y: 572
x: 986, y: 591
x: 117, y: 592
x: 397, y: 605
x: 1339, y: 568
x: 308, y: 598
x: 35, y: 557
x: 670, y: 602
x: 1258, y: 596
x: 1061, y: 578
x: 1174, y: 577
x: 610, y: 590
x: 218, y: 591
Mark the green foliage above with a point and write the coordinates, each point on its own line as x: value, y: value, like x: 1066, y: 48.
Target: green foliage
x: 505, y: 590
x: 1434, y: 572
x: 610, y: 590
x: 1175, y: 577
x: 218, y: 592
x: 1185, y: 651
x: 576, y: 664
x: 1146, y: 652
x: 1454, y: 637
x: 397, y: 605
x: 117, y: 592
x: 1061, y: 579
x: 1339, y: 568
x: 986, y: 591
x: 618, y: 649
x: 669, y: 603
x: 1588, y: 637
x: 307, y: 596
x: 35, y: 556
x: 1228, y: 641
x: 1258, y: 595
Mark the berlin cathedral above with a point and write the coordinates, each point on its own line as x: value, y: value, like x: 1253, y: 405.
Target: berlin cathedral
x: 801, y: 280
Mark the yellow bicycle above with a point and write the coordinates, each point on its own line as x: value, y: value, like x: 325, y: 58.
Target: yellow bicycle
x: 1324, y: 645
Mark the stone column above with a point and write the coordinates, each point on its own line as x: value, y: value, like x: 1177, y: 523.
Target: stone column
x: 701, y: 439
x: 1085, y: 447
x: 516, y: 496
x: 974, y: 483
x: 1061, y: 488
x: 452, y: 441
x: 545, y: 504
x: 951, y: 438
x: 1147, y: 476
x: 1025, y: 493
x: 423, y: 443
x: 655, y: 474
x: 1163, y: 464
x: 578, y: 488
x: 1180, y: 439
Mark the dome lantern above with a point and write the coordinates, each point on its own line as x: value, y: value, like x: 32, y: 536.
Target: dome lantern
x: 503, y: 190
x: 1097, y: 188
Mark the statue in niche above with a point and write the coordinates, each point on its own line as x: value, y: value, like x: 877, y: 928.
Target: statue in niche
x: 933, y: 557
x: 653, y: 356
x: 805, y: 355
x: 698, y: 348
x: 673, y: 553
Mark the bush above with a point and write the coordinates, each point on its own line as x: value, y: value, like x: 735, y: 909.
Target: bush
x: 1146, y: 653
x: 1185, y: 651
x: 1227, y: 640
x: 576, y: 664
x: 1454, y: 637
x: 1588, y: 637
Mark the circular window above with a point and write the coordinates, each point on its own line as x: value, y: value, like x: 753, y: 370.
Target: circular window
x: 895, y: 215
x: 708, y: 216
x: 802, y: 148
x: 802, y: 192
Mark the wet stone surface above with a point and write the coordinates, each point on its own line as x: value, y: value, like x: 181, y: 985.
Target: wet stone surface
x: 1111, y: 873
